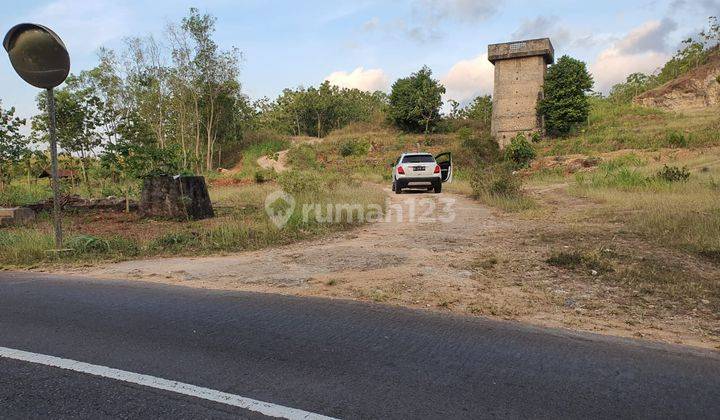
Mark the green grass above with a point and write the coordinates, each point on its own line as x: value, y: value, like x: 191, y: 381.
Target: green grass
x: 21, y: 193
x: 614, y: 126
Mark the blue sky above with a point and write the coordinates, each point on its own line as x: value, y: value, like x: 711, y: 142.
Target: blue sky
x: 368, y: 44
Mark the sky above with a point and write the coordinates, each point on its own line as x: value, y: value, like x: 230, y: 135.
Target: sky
x: 369, y: 44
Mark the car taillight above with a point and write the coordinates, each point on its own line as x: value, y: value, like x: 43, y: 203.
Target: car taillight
x: 437, y: 169
x: 401, y: 171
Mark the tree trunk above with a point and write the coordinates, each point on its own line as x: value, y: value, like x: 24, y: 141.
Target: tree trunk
x: 197, y: 135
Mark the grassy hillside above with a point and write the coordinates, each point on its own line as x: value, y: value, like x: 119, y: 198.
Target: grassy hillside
x: 615, y: 126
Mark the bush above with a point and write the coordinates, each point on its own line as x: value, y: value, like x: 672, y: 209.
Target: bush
x: 676, y: 139
x: 85, y: 244
x: 565, y: 102
x: 263, y: 175
x: 303, y: 156
x: 23, y: 194
x: 674, y: 174
x: 175, y: 241
x: 299, y: 182
x: 520, y: 151
x: 481, y: 148
x: 496, y: 180
x: 354, y: 147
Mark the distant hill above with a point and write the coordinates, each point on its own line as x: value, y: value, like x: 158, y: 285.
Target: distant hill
x: 696, y: 89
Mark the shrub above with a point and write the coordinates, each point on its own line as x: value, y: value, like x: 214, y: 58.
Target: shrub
x: 298, y: 182
x: 676, y: 139
x: 674, y: 174
x: 535, y: 137
x: 263, y: 175
x: 565, y: 102
x: 303, y: 156
x: 354, y: 147
x: 84, y: 244
x: 481, y: 148
x: 520, y: 151
x: 175, y: 241
x: 496, y: 180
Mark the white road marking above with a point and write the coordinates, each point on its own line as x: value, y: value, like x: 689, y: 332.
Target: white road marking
x: 268, y: 409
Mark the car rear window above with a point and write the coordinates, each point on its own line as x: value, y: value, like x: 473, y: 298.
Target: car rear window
x: 418, y: 159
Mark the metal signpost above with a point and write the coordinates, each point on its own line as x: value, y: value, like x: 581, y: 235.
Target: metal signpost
x: 40, y: 58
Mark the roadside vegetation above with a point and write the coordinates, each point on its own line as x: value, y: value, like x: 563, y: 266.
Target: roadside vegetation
x: 613, y: 197
x: 241, y: 223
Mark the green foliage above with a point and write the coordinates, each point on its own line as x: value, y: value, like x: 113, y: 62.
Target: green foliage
x: 303, y: 156
x: 676, y: 139
x: 622, y: 178
x: 497, y: 185
x: 674, y: 174
x: 84, y: 244
x: 479, y: 109
x: 13, y: 145
x: 23, y: 194
x: 520, y: 151
x: 565, y: 103
x: 317, y: 111
x: 415, y: 102
x: 300, y: 182
x: 477, y: 148
x: 354, y: 147
x: 140, y: 160
x: 263, y: 175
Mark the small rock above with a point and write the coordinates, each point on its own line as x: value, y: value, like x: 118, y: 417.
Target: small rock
x: 705, y: 301
x: 569, y: 303
x: 594, y: 272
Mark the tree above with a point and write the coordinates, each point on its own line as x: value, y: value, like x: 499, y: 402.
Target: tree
x: 79, y: 115
x: 565, y: 101
x: 415, y: 101
x: 13, y: 145
x: 479, y: 109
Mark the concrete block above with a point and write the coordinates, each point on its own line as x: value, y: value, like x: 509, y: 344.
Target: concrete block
x: 15, y: 216
x: 520, y: 69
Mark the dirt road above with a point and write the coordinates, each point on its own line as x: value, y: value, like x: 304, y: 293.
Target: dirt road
x: 478, y: 262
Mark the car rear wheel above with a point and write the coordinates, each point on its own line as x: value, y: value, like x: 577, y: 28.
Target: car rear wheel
x: 438, y: 188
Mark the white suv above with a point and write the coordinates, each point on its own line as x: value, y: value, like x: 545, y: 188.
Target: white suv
x: 421, y: 170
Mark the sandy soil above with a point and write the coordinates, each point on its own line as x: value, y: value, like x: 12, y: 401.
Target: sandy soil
x: 278, y: 165
x: 479, y: 263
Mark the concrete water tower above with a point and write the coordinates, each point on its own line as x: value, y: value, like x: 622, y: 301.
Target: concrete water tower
x: 519, y: 77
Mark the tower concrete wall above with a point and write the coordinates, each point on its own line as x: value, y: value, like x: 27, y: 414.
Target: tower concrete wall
x: 520, y: 69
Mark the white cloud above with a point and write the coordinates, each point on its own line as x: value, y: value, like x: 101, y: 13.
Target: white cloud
x: 650, y: 36
x: 368, y: 80
x: 612, y: 66
x: 643, y: 49
x: 469, y: 78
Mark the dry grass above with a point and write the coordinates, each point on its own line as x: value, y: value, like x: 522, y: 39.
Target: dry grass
x: 241, y: 223
x: 685, y: 215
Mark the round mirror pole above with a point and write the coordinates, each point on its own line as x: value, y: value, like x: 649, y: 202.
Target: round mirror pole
x: 40, y: 58
x: 57, y: 215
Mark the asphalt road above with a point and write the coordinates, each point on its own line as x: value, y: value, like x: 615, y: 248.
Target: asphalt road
x: 336, y: 358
